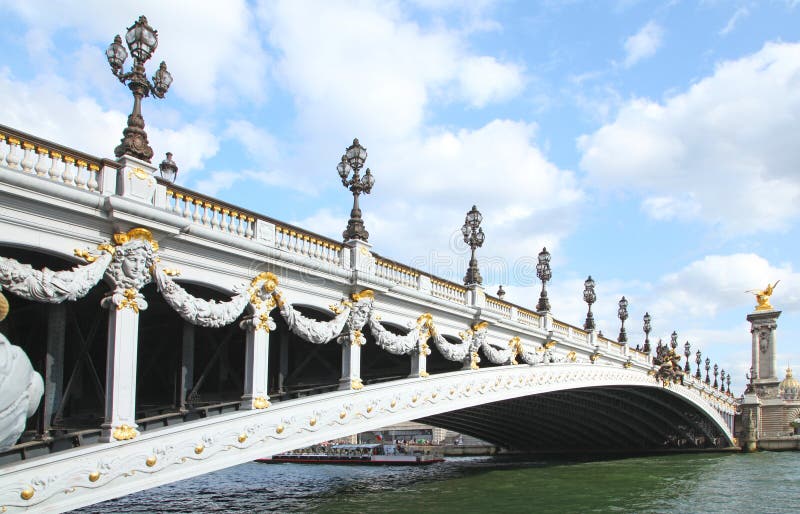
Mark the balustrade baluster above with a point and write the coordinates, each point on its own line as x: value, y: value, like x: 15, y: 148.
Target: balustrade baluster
x: 27, y: 159
x: 68, y: 176
x: 198, y: 206
x: 206, y: 214
x: 242, y: 220
x: 13, y: 157
x: 41, y: 163
x: 234, y: 229
x: 215, y: 223
x: 94, y: 171
x: 250, y: 222
x: 187, y: 207
x: 3, y: 148
x: 224, y: 222
x: 80, y: 178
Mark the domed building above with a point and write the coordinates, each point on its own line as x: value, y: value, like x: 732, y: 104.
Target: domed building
x: 789, y: 388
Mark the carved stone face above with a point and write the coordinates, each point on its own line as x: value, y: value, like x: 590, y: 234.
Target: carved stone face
x: 133, y: 264
x: 359, y: 314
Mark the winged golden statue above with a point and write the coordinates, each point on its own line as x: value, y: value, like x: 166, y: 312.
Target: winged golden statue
x: 762, y: 297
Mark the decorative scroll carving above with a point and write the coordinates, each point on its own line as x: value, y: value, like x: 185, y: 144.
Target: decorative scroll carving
x: 134, y: 257
x: 52, y: 286
x: 204, y: 313
x: 471, y: 340
x: 316, y: 332
x: 498, y: 355
x: 415, y: 340
x: 21, y: 388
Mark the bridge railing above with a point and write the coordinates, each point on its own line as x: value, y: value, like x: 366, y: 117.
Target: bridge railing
x: 35, y: 156
x: 32, y: 155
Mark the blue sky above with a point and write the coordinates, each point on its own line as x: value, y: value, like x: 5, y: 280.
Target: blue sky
x: 653, y: 145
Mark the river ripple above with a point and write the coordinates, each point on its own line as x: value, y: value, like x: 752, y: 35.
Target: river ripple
x: 766, y: 482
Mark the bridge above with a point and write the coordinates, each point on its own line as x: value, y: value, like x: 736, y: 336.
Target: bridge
x: 170, y: 334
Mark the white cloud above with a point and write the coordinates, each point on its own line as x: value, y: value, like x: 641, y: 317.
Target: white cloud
x: 643, y: 44
x: 259, y: 143
x: 420, y: 198
x: 379, y: 79
x: 724, y: 152
x: 484, y: 80
x: 740, y: 13
x: 211, y: 52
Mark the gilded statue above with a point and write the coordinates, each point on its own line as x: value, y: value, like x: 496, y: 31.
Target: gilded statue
x: 762, y: 296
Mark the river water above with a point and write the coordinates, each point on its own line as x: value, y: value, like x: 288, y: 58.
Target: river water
x: 766, y: 482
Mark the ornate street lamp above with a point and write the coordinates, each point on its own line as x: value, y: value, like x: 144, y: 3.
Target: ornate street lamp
x: 673, y: 341
x: 646, y: 327
x: 716, y: 374
x: 687, y: 351
x: 168, y: 169
x: 142, y: 40
x: 353, y: 160
x: 722, y: 381
x: 708, y: 367
x: 501, y: 293
x: 473, y: 236
x: 622, y: 314
x: 589, y: 297
x: 544, y: 273
x: 698, y: 359
x: 728, y: 381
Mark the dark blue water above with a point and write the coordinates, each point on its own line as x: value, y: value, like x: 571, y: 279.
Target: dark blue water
x: 766, y: 482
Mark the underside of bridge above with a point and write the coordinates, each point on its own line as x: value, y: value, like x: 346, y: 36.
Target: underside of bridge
x: 588, y: 420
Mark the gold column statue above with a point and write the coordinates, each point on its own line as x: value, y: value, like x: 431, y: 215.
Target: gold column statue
x: 762, y: 297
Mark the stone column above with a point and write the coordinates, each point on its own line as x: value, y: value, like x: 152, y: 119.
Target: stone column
x: 419, y: 361
x: 763, y: 325
x: 256, y: 366
x: 351, y: 360
x: 123, y: 337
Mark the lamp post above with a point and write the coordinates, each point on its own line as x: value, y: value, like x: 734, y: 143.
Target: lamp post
x: 646, y: 327
x: 673, y: 340
x: 698, y: 359
x: 142, y: 40
x: 728, y: 381
x: 722, y: 381
x: 708, y: 367
x: 168, y: 169
x: 352, y: 161
x: 501, y: 293
x: 474, y: 237
x: 544, y: 273
x: 716, y: 374
x: 589, y: 297
x: 687, y: 351
x: 622, y: 314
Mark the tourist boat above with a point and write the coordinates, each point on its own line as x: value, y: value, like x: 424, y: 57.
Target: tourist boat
x: 369, y: 454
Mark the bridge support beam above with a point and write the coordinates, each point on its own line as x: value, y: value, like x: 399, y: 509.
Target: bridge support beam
x: 256, y: 368
x: 54, y: 366
x: 186, y: 370
x: 123, y: 337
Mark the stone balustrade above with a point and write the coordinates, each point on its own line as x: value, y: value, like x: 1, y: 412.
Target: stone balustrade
x: 396, y: 272
x: 35, y: 156
x: 307, y: 244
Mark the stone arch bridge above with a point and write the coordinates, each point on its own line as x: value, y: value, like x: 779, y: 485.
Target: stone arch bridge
x: 173, y: 335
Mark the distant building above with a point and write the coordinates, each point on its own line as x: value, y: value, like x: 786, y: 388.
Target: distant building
x: 770, y: 418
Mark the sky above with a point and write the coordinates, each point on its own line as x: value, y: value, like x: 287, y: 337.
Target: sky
x: 651, y: 145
